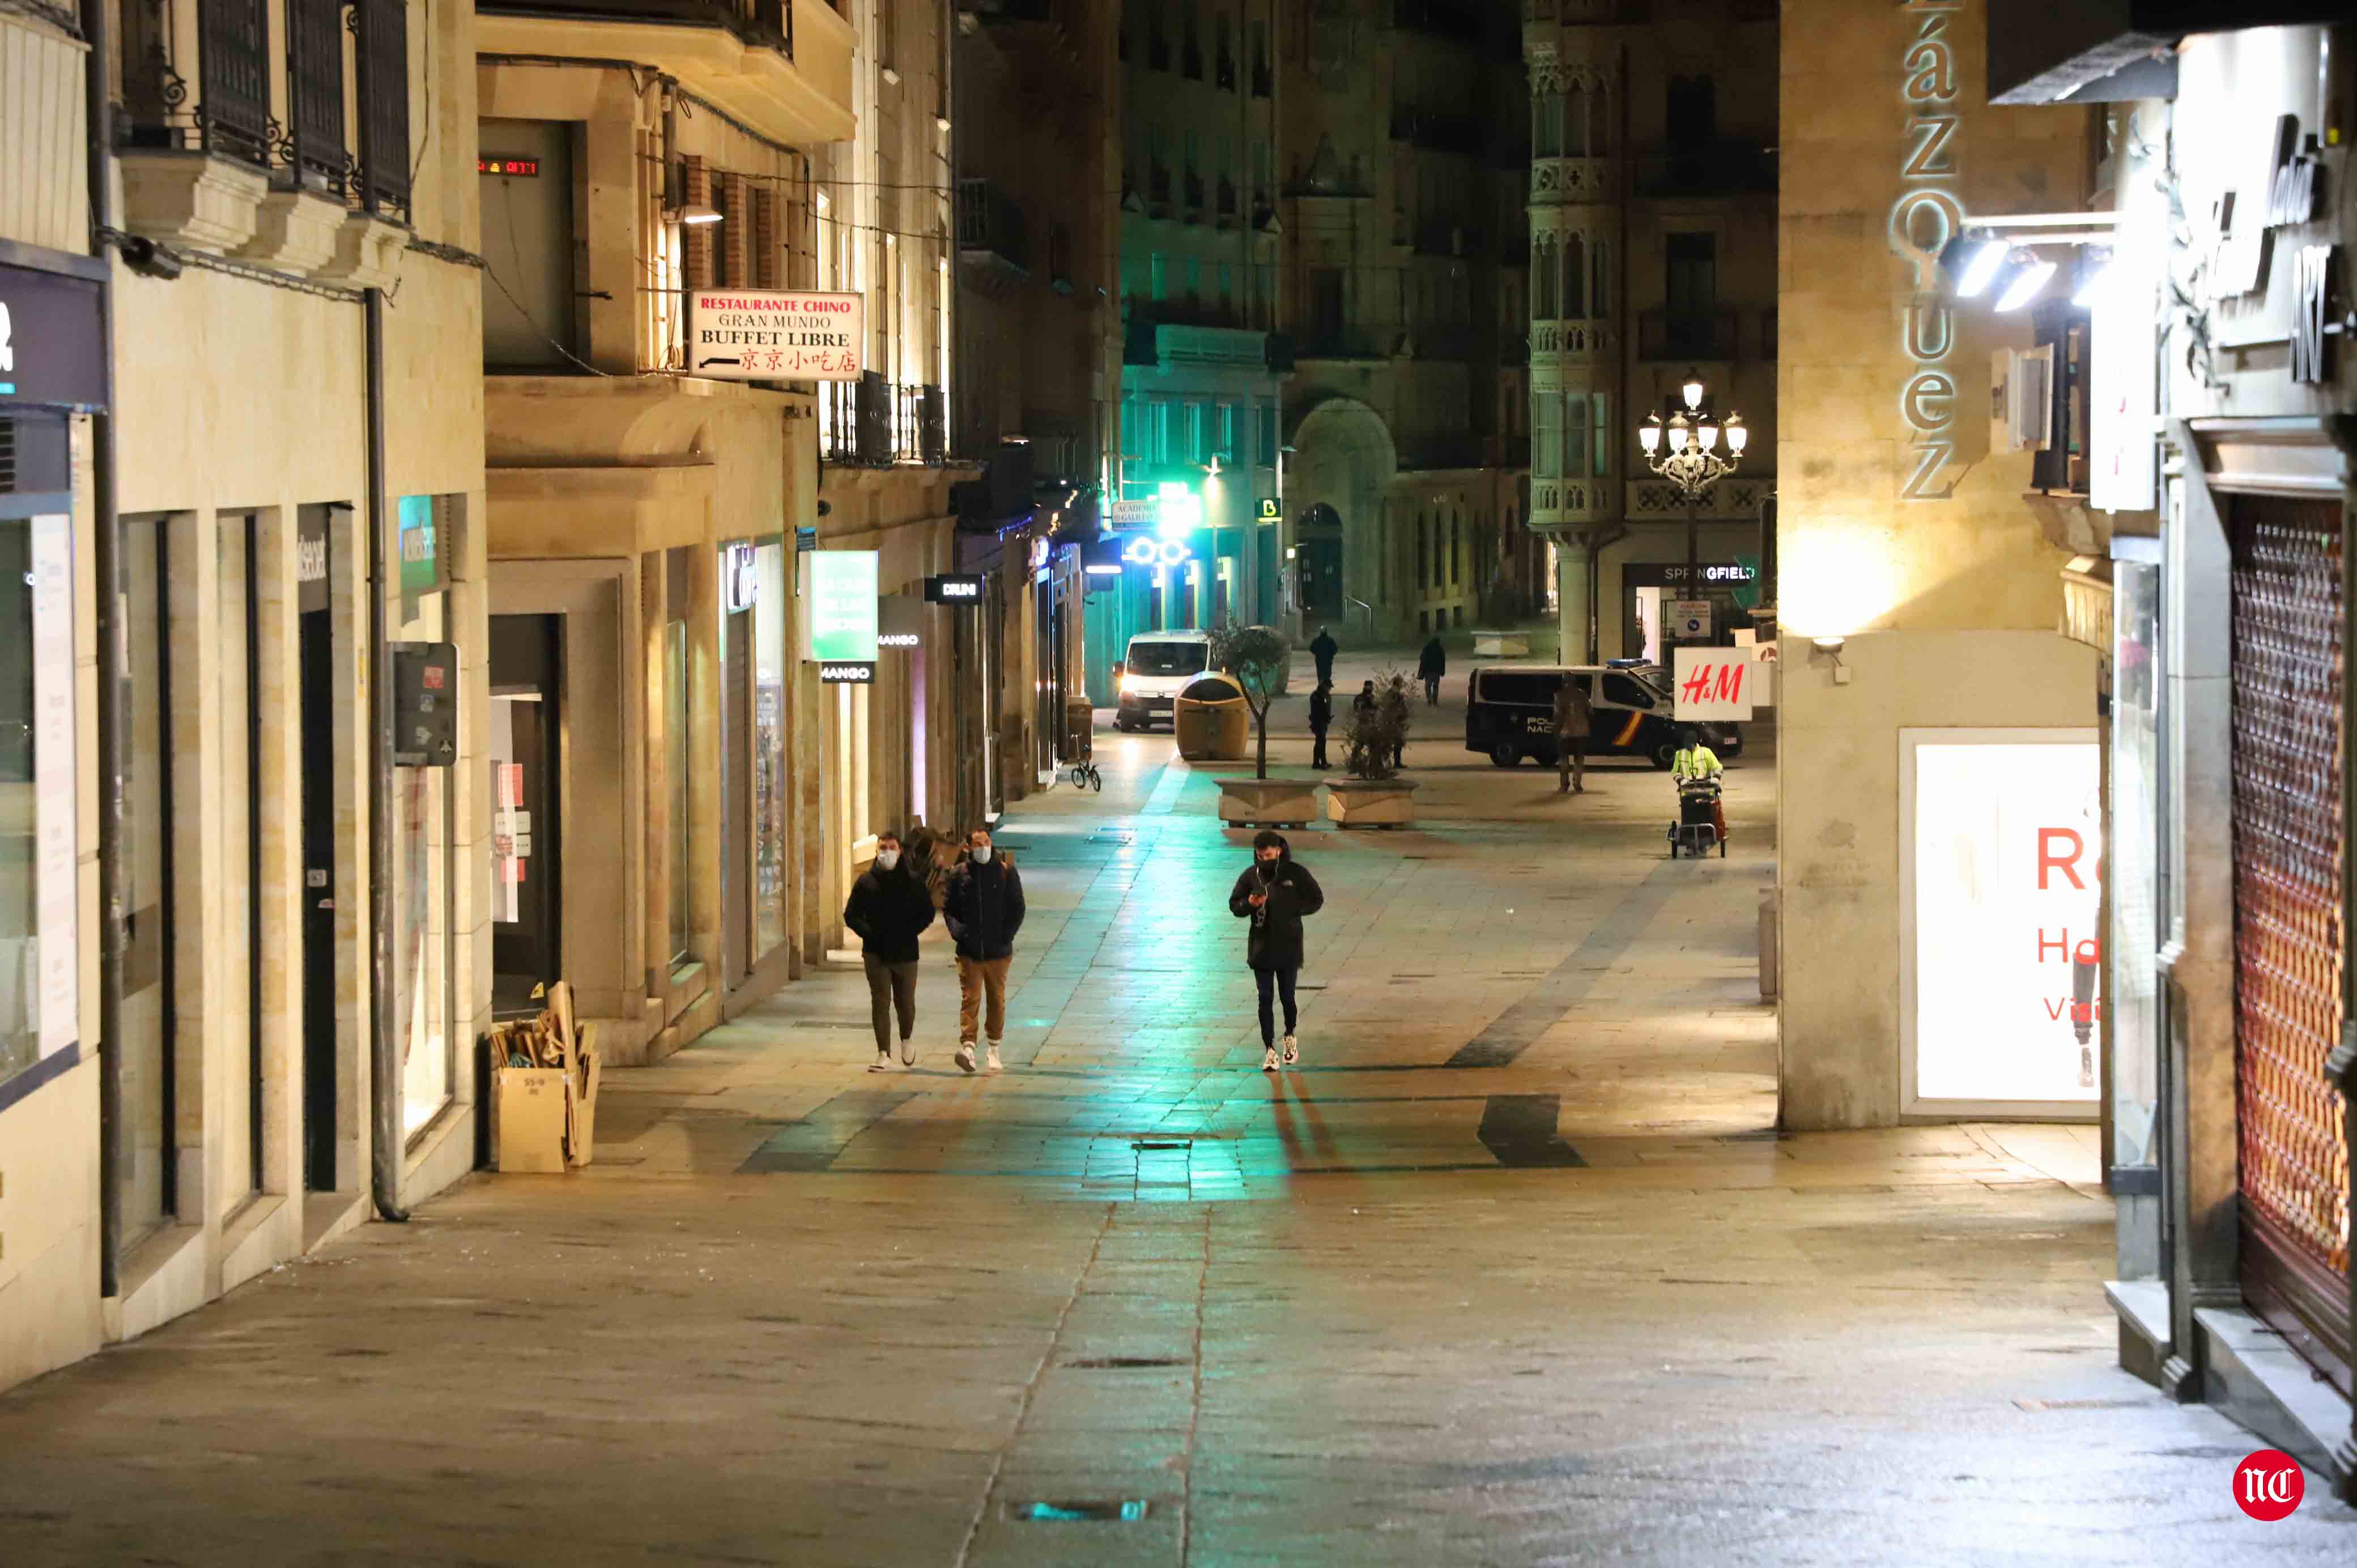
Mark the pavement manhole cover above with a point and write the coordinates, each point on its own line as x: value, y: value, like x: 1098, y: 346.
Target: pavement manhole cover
x: 1122, y: 1510
x: 1124, y: 1363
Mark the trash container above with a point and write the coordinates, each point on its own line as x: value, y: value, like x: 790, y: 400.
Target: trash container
x: 1211, y: 720
x: 1080, y: 727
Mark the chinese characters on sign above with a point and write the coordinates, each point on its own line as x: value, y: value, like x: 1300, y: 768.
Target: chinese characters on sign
x: 756, y: 334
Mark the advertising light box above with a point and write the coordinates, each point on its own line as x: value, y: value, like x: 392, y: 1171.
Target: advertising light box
x: 2000, y: 868
x: 840, y: 588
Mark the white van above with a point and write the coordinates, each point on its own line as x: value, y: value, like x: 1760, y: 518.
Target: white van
x: 1156, y: 667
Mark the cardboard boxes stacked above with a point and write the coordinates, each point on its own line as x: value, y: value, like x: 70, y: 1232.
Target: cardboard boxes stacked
x: 545, y: 1076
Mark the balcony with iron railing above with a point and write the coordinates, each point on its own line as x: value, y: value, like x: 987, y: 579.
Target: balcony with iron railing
x: 874, y: 423
x: 1451, y: 21
x: 992, y: 230
x: 204, y: 77
x: 1689, y: 335
x: 1725, y: 166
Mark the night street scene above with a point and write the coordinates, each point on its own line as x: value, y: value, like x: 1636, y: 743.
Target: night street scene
x: 988, y: 783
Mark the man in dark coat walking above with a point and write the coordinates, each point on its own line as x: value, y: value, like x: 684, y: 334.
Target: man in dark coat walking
x: 889, y: 907
x: 983, y: 906
x: 1321, y: 719
x: 1431, y: 666
x: 1323, y: 648
x: 1274, y: 894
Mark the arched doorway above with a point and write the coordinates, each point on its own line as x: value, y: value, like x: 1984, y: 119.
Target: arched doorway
x: 1318, y: 556
x: 1342, y: 468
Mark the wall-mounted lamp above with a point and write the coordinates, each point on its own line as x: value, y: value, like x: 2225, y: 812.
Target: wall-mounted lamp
x: 693, y: 212
x: 1833, y: 646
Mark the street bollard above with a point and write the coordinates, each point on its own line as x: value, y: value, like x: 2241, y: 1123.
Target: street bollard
x: 1768, y: 954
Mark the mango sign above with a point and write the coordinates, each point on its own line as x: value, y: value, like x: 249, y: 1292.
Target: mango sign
x: 1715, y: 683
x: 774, y: 335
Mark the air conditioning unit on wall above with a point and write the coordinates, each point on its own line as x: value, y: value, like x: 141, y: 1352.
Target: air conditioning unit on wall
x: 2021, y: 398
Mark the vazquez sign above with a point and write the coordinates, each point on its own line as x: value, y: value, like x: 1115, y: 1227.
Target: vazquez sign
x: 780, y: 334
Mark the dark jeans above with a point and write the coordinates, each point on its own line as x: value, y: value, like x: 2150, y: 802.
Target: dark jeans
x: 1317, y: 758
x: 1431, y: 689
x: 1273, y: 982
x: 890, y: 987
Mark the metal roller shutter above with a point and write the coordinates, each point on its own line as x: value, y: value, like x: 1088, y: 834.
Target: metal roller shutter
x: 2287, y: 673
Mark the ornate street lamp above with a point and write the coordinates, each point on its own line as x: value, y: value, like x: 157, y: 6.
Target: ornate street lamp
x: 1692, y: 464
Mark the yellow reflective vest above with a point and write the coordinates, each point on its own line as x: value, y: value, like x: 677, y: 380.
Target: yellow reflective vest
x: 1695, y: 762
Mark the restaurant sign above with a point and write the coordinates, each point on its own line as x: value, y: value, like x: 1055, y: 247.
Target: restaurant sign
x: 780, y: 334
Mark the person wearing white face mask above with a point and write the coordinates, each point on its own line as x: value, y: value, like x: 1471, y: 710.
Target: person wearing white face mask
x: 983, y: 906
x: 889, y: 907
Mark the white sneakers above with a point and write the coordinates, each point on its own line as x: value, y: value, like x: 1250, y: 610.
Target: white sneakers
x: 908, y: 1053
x: 1269, y: 1059
x: 993, y: 1063
x: 883, y: 1062
x: 965, y: 1056
x: 1292, y: 1050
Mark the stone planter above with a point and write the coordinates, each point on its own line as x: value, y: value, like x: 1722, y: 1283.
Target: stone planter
x: 1268, y: 802
x: 1371, y: 804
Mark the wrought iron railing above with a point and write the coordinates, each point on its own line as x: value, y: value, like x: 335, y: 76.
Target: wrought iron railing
x: 313, y: 145
x: 991, y: 223
x: 227, y: 111
x: 384, y: 108
x: 1687, y: 335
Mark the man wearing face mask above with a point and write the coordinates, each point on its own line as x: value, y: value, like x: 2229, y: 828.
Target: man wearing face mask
x: 889, y: 907
x: 983, y: 906
x: 1274, y: 894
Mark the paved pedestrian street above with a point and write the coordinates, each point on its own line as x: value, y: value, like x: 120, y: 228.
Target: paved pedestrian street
x: 1511, y: 1269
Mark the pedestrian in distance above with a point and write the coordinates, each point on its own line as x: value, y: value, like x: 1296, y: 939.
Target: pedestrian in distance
x: 889, y: 907
x: 1366, y: 697
x: 1394, y: 702
x: 1322, y: 648
x: 1321, y: 719
x: 983, y: 906
x: 1431, y: 666
x: 1573, y: 721
x: 1275, y: 894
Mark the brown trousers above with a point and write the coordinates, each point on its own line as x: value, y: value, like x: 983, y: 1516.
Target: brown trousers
x: 979, y: 979
x: 1571, y: 761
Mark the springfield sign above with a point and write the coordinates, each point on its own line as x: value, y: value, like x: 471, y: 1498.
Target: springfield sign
x: 761, y: 334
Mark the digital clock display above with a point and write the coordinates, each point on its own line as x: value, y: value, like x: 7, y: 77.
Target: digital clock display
x: 528, y: 168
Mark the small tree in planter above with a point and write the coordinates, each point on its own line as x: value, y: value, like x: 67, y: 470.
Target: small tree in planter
x: 1377, y: 733
x: 1256, y: 657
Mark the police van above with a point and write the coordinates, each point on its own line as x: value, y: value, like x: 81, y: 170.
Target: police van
x: 1510, y: 713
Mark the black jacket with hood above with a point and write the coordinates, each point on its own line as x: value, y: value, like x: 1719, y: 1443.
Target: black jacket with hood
x: 983, y: 906
x: 889, y: 909
x: 1275, y: 940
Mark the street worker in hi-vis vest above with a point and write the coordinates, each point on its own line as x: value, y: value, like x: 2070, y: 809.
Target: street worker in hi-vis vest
x: 1697, y: 760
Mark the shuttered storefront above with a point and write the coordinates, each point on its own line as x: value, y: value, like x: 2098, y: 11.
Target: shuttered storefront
x: 2287, y: 674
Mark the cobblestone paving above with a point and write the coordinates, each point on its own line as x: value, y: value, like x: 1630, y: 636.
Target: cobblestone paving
x: 1512, y: 1270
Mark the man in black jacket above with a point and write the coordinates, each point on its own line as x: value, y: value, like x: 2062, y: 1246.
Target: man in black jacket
x: 1321, y: 719
x: 1274, y: 894
x: 1431, y: 666
x: 1323, y: 647
x: 983, y: 906
x: 889, y: 907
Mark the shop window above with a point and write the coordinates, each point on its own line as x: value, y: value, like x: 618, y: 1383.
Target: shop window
x: 424, y: 817
x: 236, y: 912
x: 145, y: 1127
